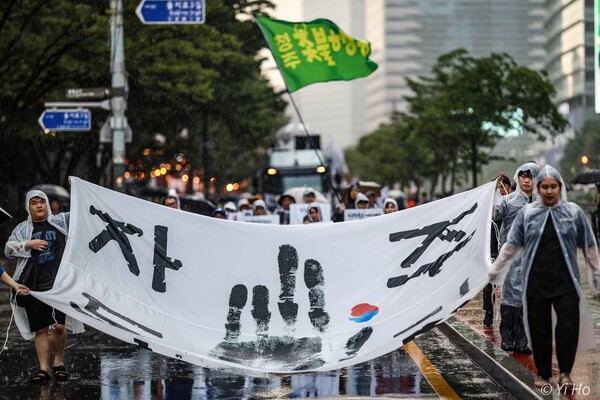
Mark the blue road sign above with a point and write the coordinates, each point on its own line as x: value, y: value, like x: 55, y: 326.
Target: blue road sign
x: 66, y: 120
x: 172, y: 12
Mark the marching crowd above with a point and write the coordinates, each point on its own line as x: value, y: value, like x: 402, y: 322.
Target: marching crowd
x: 539, y: 235
x: 351, y: 199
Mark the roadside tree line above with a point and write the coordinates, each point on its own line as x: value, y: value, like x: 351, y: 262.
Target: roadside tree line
x: 454, y: 118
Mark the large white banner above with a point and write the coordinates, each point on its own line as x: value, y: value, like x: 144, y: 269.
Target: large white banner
x: 261, y: 299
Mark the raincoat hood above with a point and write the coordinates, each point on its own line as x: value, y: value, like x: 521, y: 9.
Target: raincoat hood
x: 390, y: 200
x: 37, y: 193
x: 531, y: 167
x: 316, y: 207
x: 550, y: 172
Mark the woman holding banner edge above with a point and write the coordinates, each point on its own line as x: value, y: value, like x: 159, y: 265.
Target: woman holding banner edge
x: 549, y: 231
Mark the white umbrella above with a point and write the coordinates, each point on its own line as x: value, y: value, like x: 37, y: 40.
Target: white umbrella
x: 298, y: 194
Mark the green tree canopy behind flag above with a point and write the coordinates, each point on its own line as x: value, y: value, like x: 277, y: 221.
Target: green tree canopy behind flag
x: 316, y: 51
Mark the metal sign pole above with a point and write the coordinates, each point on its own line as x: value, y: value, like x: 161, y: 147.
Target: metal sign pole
x: 118, y: 121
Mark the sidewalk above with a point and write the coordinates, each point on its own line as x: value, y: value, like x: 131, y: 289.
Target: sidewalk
x: 586, y: 371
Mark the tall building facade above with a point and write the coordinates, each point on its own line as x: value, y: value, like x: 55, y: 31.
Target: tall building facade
x: 570, y: 62
x: 409, y: 35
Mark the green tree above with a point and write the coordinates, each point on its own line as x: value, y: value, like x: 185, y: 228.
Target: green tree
x: 455, y: 117
x: 471, y: 101
x: 45, y: 48
x: 206, y: 79
x: 388, y: 155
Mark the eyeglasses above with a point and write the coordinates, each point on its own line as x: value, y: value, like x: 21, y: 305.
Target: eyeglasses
x: 171, y: 204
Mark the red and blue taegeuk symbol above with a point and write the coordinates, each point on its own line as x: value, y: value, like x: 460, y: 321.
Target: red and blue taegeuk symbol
x: 363, y: 312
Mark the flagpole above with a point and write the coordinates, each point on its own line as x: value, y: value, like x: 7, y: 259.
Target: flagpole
x: 310, y: 140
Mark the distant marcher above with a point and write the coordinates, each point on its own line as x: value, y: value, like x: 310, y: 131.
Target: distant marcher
x: 55, y: 206
x: 424, y: 198
x: 596, y: 213
x: 390, y: 205
x: 362, y: 201
x: 172, y: 201
x: 348, y: 202
x: 259, y: 207
x: 38, y: 244
x: 283, y: 208
x: 548, y: 233
x: 372, y: 196
x: 313, y: 214
x: 230, y: 207
x: 512, y: 328
x: 219, y: 213
x: 244, y: 205
x: 309, y: 195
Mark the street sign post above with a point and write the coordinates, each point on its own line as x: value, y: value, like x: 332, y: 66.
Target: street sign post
x: 66, y: 120
x: 106, y: 132
x: 171, y: 12
x: 89, y: 93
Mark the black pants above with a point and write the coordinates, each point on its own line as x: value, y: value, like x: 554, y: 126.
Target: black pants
x: 489, y: 296
x: 512, y: 328
x: 539, y: 317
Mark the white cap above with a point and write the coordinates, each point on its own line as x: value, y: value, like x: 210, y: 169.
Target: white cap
x: 243, y: 202
x: 258, y: 203
x: 230, y: 206
x: 360, y: 197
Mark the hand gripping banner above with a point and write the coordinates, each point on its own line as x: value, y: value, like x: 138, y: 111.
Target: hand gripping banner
x: 260, y: 299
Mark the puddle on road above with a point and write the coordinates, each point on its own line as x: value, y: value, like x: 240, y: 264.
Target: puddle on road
x: 132, y: 373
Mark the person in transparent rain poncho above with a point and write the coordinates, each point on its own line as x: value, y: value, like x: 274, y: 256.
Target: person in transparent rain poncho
x: 512, y: 329
x: 547, y: 233
x: 38, y: 244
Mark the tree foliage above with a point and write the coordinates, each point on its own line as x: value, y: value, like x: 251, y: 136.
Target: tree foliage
x: 457, y: 114
x: 45, y: 48
x: 203, y: 78
x: 207, y: 80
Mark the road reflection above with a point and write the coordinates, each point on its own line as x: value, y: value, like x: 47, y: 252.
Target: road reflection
x: 144, y: 375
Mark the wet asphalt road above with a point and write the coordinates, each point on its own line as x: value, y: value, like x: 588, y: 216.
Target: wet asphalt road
x: 102, y: 367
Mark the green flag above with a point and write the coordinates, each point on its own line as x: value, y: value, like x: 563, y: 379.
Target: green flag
x: 316, y: 51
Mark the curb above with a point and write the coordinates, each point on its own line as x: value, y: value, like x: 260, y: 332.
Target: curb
x: 500, y: 366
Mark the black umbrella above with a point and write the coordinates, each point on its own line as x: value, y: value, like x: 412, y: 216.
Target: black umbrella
x: 4, y: 216
x: 588, y: 176
x: 53, y: 191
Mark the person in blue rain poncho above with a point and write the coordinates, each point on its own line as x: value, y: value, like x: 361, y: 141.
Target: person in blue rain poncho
x: 547, y: 233
x: 512, y: 328
x: 38, y: 244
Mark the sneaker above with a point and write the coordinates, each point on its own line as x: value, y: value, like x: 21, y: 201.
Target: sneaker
x: 540, y: 382
x: 489, y: 318
x: 507, y: 347
x: 524, y: 350
x: 565, y: 380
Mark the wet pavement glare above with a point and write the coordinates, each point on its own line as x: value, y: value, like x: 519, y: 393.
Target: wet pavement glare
x: 101, y: 367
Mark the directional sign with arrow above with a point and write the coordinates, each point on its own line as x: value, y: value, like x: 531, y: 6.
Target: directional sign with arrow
x: 66, y: 120
x: 171, y: 12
